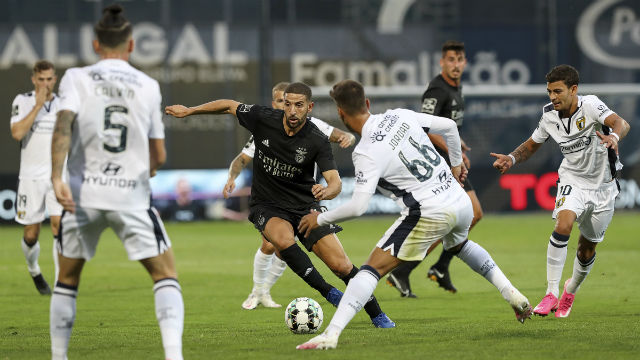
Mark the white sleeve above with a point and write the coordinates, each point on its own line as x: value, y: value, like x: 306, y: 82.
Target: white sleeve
x: 156, y: 131
x: 599, y: 109
x: 18, y: 109
x: 323, y: 126
x: 353, y: 208
x: 249, y: 148
x: 448, y: 129
x: 69, y: 98
x: 540, y: 134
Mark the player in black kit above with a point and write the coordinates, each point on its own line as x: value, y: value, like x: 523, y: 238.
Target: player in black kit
x: 284, y: 188
x: 443, y: 97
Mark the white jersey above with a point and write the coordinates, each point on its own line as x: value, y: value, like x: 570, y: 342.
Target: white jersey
x: 35, y: 153
x: 396, y: 155
x: 586, y: 161
x: 118, y: 110
x: 250, y: 148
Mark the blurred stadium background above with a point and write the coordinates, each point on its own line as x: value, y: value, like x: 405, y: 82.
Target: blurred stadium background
x: 201, y: 50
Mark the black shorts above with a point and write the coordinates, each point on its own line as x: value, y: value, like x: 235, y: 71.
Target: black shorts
x: 259, y: 215
x: 467, y: 183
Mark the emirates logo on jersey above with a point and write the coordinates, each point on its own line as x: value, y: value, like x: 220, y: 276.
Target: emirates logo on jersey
x: 580, y: 123
x: 111, y: 169
x: 300, y: 154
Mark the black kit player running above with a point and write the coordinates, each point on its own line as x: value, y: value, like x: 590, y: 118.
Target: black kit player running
x: 282, y: 191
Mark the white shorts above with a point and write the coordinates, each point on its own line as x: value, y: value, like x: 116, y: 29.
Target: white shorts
x: 34, y: 196
x: 593, y: 208
x: 413, y: 233
x: 141, y: 231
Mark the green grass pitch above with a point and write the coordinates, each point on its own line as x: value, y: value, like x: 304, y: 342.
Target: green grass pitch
x: 115, y: 318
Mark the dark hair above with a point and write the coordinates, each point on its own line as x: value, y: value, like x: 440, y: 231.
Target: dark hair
x: 454, y: 45
x: 299, y: 88
x: 566, y: 73
x: 281, y: 86
x: 349, y: 96
x: 113, y: 29
x: 42, y: 65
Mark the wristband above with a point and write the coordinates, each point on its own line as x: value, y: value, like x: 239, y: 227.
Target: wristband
x: 513, y: 159
x: 615, y: 135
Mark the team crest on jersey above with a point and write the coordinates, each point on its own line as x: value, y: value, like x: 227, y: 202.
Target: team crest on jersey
x: 360, y: 179
x: 244, y: 108
x: 21, y: 214
x: 377, y: 136
x: 580, y: 123
x: 111, y: 169
x: 560, y: 202
x: 15, y: 110
x: 300, y: 154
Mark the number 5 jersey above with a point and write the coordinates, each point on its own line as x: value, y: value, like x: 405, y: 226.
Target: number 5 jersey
x: 118, y: 110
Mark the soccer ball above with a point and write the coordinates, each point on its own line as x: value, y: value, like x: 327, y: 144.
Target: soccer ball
x: 303, y: 316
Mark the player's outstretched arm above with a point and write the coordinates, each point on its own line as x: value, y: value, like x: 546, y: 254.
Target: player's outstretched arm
x: 239, y: 163
x: 333, y: 188
x: 619, y: 129
x: 59, y: 149
x: 342, y: 138
x: 523, y: 152
x: 213, y: 107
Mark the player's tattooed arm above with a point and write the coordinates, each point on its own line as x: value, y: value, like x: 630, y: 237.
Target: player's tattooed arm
x: 239, y: 163
x: 59, y: 149
x: 504, y: 162
x: 525, y: 150
x: 60, y: 142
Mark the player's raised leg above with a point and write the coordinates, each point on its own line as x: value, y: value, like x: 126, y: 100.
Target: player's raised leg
x: 585, y: 258
x: 358, y: 292
x: 330, y: 251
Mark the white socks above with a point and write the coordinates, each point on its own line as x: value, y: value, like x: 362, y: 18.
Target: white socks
x: 169, y: 312
x: 275, y: 271
x: 580, y: 272
x: 31, y: 254
x: 479, y: 260
x: 261, y: 264
x: 62, y: 314
x: 556, y: 257
x: 170, y: 315
x: 267, y: 269
x: 358, y: 292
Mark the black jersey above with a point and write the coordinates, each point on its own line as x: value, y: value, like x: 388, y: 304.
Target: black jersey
x: 283, y: 165
x: 442, y: 99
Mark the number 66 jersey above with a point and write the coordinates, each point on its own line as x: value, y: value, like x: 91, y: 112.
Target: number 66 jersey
x: 118, y: 109
x: 396, y: 156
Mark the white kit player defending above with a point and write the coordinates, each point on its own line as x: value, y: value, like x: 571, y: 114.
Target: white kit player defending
x: 587, y: 132
x: 396, y: 156
x: 110, y: 124
x: 33, y: 117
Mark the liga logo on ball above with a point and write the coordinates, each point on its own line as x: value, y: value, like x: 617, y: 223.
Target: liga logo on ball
x: 303, y: 315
